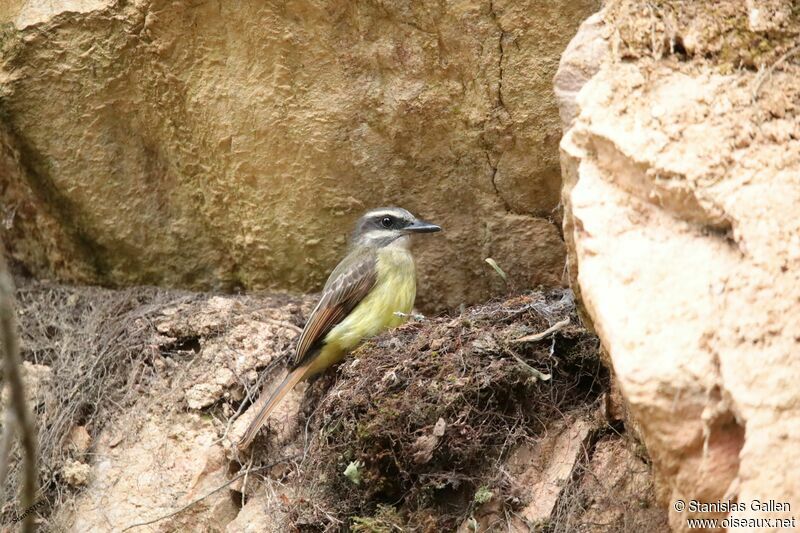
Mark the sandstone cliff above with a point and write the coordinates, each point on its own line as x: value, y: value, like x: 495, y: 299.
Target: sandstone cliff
x: 231, y: 145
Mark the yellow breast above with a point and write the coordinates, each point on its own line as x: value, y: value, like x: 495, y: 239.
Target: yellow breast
x: 394, y: 291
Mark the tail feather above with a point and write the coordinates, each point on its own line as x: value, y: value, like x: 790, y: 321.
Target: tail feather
x: 277, y: 395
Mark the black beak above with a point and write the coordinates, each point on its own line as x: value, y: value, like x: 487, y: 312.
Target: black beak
x: 420, y: 226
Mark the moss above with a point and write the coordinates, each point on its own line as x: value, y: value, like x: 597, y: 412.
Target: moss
x: 353, y: 472
x: 385, y: 520
x: 427, y: 431
x: 482, y: 495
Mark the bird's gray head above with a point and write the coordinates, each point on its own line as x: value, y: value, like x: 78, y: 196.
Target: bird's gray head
x: 385, y: 225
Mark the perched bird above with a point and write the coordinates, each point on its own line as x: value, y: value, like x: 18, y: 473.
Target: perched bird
x: 370, y: 290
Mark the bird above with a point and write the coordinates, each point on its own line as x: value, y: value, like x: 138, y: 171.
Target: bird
x: 372, y: 289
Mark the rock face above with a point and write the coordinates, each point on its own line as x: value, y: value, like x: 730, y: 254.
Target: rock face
x: 227, y: 145
x: 174, y: 459
x: 682, y: 175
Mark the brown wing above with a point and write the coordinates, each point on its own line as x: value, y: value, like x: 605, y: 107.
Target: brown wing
x: 347, y: 285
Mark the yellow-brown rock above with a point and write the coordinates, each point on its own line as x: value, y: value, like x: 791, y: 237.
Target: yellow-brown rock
x: 232, y: 145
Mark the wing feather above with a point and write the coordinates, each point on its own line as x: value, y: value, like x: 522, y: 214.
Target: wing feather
x: 347, y: 285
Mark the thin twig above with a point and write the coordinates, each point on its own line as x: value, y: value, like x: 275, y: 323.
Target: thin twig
x: 536, y: 373
x: 244, y: 483
x: 539, y: 336
x: 247, y: 400
x: 413, y: 316
x: 216, y: 490
x: 496, y: 267
x: 767, y: 72
x: 11, y: 371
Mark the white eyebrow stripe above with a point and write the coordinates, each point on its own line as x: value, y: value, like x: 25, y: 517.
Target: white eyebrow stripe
x: 388, y: 212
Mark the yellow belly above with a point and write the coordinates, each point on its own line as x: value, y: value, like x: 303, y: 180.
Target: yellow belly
x: 394, y: 291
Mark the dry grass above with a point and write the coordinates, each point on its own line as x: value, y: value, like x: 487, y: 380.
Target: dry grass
x: 100, y: 346
x: 96, y: 343
x: 611, y: 490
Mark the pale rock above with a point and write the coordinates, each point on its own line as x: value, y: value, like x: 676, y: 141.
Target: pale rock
x: 202, y: 395
x: 37, y: 381
x: 545, y: 467
x: 681, y: 233
x: 79, y: 440
x: 542, y: 470
x: 75, y: 473
x: 174, y: 459
x: 266, y: 511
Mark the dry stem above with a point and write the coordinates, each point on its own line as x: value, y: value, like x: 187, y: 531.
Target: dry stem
x: 22, y: 415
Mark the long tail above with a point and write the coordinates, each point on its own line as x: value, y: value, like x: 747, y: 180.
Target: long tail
x: 294, y: 377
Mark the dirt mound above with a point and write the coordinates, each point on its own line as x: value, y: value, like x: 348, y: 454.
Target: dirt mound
x: 419, y: 418
x: 93, y: 354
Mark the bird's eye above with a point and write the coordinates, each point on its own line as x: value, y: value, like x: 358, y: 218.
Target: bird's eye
x: 386, y: 222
